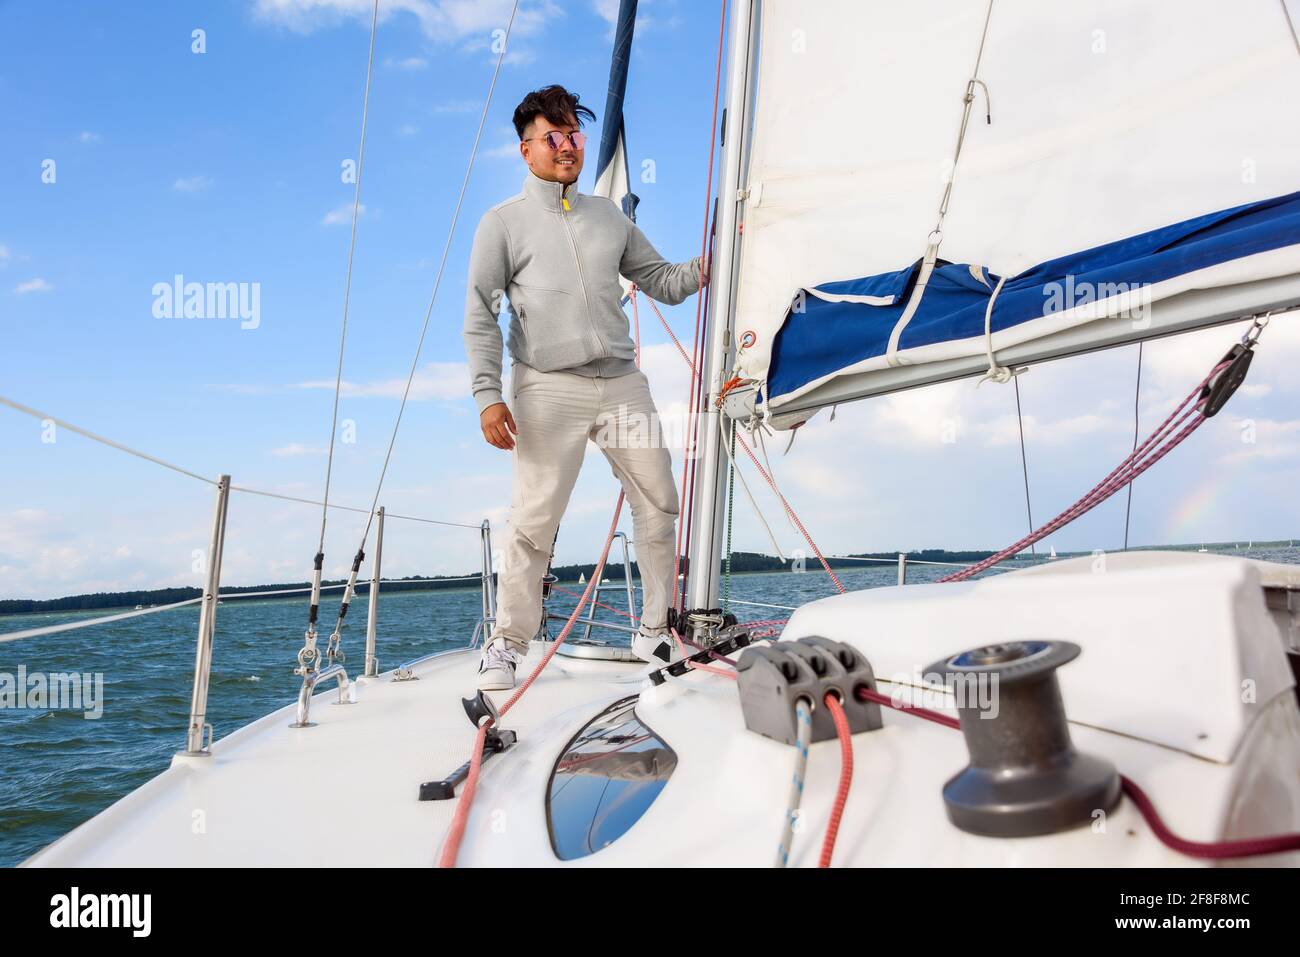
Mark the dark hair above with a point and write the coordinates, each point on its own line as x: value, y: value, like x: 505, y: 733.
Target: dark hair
x: 553, y: 102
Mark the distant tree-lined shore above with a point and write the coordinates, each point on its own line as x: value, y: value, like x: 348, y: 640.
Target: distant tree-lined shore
x: 741, y: 563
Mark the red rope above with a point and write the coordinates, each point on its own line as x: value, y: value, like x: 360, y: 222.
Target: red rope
x: 789, y: 511
x: 748, y: 451
x: 599, y: 604
x: 1211, y: 850
x: 846, y: 777
x: 456, y: 831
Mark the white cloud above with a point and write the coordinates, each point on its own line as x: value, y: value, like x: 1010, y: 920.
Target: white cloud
x: 509, y: 144
x: 89, y: 137
x: 517, y: 57
x: 437, y: 380
x: 458, y: 106
x: 43, y: 554
x: 192, y: 184
x: 4, y: 256
x: 1005, y: 429
x: 342, y: 215
x: 1261, y: 439
x: 410, y: 63
x: 33, y: 285
x: 438, y: 19
x: 407, y: 129
x: 504, y: 151
x: 243, y: 388
x: 607, y: 10
x: 297, y: 448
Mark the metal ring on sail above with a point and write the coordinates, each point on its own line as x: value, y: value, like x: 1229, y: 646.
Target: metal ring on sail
x: 935, y: 238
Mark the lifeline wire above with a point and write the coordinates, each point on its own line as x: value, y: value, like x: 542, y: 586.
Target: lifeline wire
x: 95, y: 437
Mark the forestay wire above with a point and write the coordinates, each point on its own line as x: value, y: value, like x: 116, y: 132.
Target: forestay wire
x: 307, y: 657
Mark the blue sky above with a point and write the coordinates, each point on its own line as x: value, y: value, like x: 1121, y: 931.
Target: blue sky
x: 225, y: 167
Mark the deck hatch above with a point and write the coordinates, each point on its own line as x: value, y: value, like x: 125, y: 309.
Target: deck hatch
x: 605, y: 779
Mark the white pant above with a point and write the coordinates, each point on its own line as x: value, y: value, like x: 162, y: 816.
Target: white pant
x: 556, y: 413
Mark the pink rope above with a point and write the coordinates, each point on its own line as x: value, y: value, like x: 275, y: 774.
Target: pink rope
x: 456, y: 830
x: 1133, y: 465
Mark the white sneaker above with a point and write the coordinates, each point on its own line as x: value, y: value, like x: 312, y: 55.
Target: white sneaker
x: 496, y: 670
x: 655, y: 645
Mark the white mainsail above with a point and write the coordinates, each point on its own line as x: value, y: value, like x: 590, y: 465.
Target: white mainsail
x: 1109, y: 119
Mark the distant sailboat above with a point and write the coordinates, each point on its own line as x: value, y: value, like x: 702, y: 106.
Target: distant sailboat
x: 582, y: 578
x: 1053, y: 554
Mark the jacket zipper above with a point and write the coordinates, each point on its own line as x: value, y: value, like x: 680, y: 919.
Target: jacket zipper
x: 582, y: 280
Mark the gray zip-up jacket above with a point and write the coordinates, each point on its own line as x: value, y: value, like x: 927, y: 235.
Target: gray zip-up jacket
x: 556, y: 255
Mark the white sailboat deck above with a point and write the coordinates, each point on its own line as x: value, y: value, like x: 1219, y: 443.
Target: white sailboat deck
x: 1162, y: 703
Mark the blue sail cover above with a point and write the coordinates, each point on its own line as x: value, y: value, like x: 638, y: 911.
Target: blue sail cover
x: 838, y: 324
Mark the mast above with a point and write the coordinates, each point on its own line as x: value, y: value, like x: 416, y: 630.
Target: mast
x: 704, y: 557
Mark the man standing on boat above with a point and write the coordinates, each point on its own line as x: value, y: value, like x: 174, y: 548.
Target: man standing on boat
x: 552, y: 257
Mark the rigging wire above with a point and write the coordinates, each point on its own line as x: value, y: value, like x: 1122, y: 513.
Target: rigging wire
x: 969, y: 100
x: 1286, y: 12
x: 1186, y: 418
x: 308, y: 656
x: 731, y: 508
x: 446, y: 250
x: 1024, y: 464
x: 1137, y: 392
x: 226, y: 596
x: 347, y: 285
x: 110, y: 443
x: 333, y: 648
x: 688, y: 485
x: 37, y: 414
